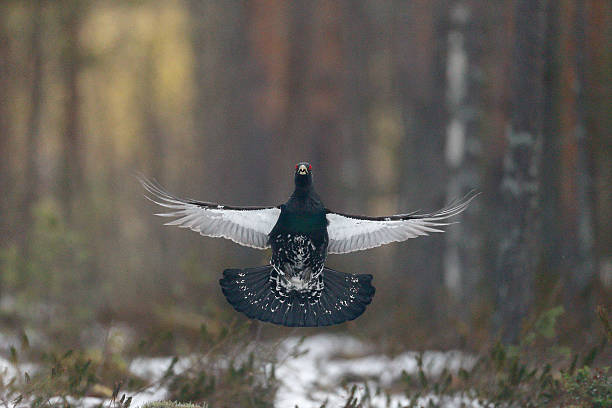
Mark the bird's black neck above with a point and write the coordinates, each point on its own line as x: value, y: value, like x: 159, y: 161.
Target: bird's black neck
x: 303, y: 191
x: 304, y: 199
x: 303, y: 185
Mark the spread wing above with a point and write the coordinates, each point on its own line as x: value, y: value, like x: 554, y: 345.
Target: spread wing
x: 248, y: 226
x: 349, y: 233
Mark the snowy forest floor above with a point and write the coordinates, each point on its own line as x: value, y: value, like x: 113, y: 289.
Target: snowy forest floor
x: 331, y: 370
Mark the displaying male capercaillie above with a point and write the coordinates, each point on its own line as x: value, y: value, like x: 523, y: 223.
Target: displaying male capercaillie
x: 296, y: 289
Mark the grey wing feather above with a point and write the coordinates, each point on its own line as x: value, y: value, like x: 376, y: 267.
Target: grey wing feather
x: 349, y: 233
x: 248, y: 226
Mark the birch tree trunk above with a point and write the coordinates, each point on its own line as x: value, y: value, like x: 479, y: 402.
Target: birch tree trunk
x: 462, y: 266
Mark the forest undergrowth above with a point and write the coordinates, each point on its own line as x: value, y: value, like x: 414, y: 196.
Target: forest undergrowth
x: 230, y: 368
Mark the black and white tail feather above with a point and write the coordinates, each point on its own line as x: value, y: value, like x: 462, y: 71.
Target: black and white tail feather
x: 255, y: 291
x: 251, y: 291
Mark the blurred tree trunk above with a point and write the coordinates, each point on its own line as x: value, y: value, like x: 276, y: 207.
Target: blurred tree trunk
x: 462, y: 263
x: 297, y: 122
x: 325, y: 97
x: 496, y: 63
x: 576, y: 183
x: 517, y: 223
x: 209, y: 108
x: 231, y: 148
x: 30, y: 188
x: 224, y: 94
x: 549, y: 277
x: 242, y: 125
x: 269, y: 46
x: 156, y: 159
x: 5, y: 173
x: 421, y: 83
x: 154, y: 135
x: 567, y: 185
x: 297, y: 51
x: 359, y: 42
x: 598, y: 122
x: 72, y: 155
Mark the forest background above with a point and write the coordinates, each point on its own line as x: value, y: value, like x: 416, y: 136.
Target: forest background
x: 398, y: 105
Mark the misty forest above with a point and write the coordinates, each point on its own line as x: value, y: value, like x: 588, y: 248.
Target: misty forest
x: 398, y: 106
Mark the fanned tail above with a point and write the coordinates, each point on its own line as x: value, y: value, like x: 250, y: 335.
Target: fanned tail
x: 344, y: 297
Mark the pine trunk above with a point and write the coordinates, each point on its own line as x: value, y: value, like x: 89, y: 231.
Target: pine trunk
x: 33, y: 133
x: 72, y: 151
x: 420, y: 81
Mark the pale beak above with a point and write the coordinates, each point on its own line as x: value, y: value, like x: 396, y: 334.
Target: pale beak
x: 302, y: 170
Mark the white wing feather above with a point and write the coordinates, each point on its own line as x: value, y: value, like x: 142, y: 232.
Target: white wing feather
x: 349, y: 233
x: 245, y: 226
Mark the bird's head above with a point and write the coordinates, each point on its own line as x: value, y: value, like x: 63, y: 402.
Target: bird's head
x: 303, y: 174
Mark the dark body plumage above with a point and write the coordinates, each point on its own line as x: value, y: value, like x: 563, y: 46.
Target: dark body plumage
x: 299, y: 243
x: 296, y: 289
x: 299, y: 291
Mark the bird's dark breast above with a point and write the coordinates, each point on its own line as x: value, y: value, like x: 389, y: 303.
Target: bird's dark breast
x: 299, y: 250
x: 303, y: 223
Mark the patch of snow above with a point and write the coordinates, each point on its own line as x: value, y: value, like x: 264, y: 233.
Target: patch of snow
x: 339, y: 397
x: 311, y: 371
x: 7, y: 369
x: 8, y: 340
x: 87, y: 402
x: 314, y: 376
x: 150, y: 367
x: 145, y: 397
x: 605, y: 272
